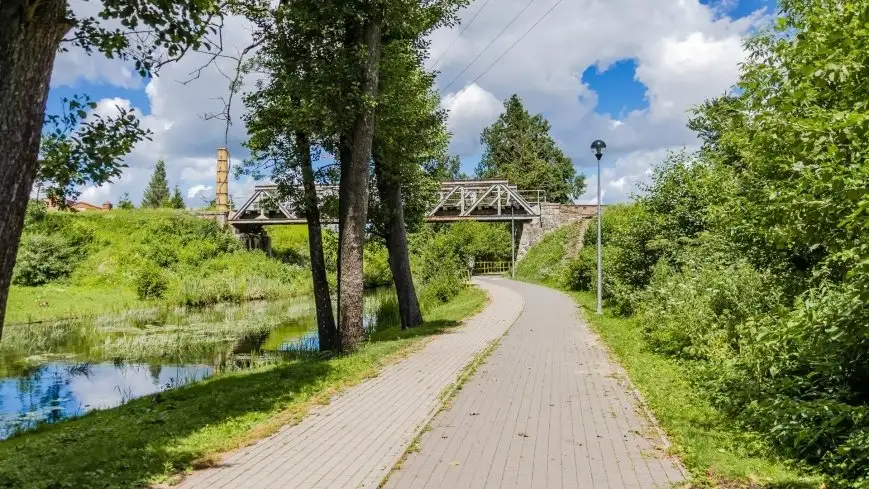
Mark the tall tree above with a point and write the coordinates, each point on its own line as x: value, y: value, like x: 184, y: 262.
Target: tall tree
x: 353, y: 186
x: 336, y: 73
x: 177, y: 200
x: 157, y: 193
x: 31, y: 34
x: 367, y: 30
x: 411, y: 133
x: 445, y: 167
x: 518, y: 147
x: 285, y: 119
x: 125, y: 203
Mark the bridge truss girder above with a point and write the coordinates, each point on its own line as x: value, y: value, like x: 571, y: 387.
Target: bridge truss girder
x: 263, y: 207
x: 484, y: 200
x: 461, y: 200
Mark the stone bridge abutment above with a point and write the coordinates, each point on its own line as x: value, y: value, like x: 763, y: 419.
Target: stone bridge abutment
x: 552, y: 216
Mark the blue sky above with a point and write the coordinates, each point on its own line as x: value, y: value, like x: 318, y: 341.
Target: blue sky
x: 659, y: 58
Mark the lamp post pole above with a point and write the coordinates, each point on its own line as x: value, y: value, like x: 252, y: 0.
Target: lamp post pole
x: 598, y: 148
x: 512, y: 242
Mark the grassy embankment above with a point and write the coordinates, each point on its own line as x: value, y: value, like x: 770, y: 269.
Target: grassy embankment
x: 714, y: 450
x: 152, y: 439
x: 108, y: 262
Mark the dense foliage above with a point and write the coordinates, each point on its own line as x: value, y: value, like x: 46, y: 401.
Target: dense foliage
x: 166, y: 255
x: 441, y: 254
x: 518, y: 147
x: 750, y: 260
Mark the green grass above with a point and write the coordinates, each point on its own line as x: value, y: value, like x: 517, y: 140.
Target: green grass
x: 152, y: 439
x: 545, y: 261
x: 58, y: 300
x: 199, y: 264
x: 714, y: 450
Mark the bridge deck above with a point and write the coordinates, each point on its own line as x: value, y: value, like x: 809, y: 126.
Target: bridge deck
x: 463, y: 200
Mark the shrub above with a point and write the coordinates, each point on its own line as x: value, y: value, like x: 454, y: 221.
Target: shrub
x: 150, y: 282
x: 699, y: 312
x: 580, y: 272
x: 376, y: 271
x: 42, y: 259
x: 442, y: 286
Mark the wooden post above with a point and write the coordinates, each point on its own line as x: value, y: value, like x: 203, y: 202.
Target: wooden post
x: 222, y: 189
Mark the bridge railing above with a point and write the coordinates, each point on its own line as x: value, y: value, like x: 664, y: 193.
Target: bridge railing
x: 533, y: 197
x: 490, y: 268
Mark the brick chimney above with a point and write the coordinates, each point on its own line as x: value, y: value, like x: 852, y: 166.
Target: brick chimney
x: 221, y: 191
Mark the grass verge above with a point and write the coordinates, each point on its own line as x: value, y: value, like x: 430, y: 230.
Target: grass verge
x: 152, y: 439
x: 715, y: 451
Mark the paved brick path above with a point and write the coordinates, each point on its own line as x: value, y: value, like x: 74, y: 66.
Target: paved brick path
x: 356, y: 439
x: 546, y: 410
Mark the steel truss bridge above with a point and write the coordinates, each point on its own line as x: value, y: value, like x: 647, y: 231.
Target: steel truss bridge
x: 458, y: 200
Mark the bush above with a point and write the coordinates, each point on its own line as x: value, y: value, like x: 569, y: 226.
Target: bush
x: 150, y: 282
x: 442, y: 286
x: 699, y: 312
x: 440, y: 256
x: 43, y: 258
x: 376, y: 271
x: 581, y: 272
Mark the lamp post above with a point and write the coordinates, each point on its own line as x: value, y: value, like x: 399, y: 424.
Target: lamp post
x: 598, y: 147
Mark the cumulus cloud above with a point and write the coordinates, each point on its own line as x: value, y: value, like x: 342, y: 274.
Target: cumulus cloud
x: 203, y: 191
x: 684, y: 51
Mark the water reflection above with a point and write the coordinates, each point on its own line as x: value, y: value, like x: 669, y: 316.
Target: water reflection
x: 69, y: 368
x: 60, y: 390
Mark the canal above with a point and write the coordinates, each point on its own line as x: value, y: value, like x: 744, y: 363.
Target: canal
x: 56, y: 370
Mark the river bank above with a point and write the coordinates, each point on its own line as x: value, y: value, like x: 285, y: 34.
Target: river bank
x: 150, y: 439
x: 55, y: 370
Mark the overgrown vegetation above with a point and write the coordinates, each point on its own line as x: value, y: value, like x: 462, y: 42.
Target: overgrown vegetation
x: 440, y: 255
x: 132, y: 258
x: 748, y: 262
x: 154, y: 438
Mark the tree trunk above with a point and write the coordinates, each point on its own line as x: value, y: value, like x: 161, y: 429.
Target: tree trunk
x: 389, y: 188
x: 29, y: 40
x: 325, y: 319
x: 353, y: 200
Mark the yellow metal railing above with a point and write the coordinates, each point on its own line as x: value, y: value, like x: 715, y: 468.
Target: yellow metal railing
x: 491, y: 267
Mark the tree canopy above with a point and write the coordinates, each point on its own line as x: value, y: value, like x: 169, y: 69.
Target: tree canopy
x: 177, y: 200
x: 157, y: 193
x: 518, y: 147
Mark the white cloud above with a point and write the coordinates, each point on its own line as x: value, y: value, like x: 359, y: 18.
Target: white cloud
x: 95, y: 195
x: 199, y: 190
x: 684, y: 52
x: 471, y: 109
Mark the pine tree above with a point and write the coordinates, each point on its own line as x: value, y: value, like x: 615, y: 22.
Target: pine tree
x: 157, y: 193
x: 518, y: 147
x: 125, y: 202
x: 177, y: 201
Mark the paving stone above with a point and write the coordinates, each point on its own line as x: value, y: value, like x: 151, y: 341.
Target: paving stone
x: 548, y: 409
x: 357, y: 439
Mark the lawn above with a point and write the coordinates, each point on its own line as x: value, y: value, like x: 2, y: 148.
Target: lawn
x: 152, y: 439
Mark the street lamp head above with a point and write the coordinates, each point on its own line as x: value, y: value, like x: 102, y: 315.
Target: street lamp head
x: 597, y: 148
